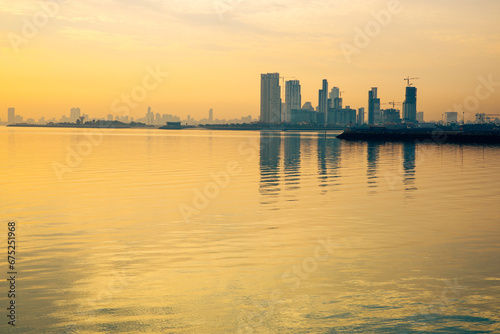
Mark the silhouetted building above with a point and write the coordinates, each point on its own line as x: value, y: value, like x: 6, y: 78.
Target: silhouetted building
x: 420, y: 117
x: 298, y: 116
x: 410, y: 105
x: 373, y: 107
x: 323, y: 102
x: 211, y: 115
x: 270, y: 98
x: 74, y: 114
x: 391, y: 116
x: 334, y: 94
x: 293, y: 99
x: 308, y: 106
x: 361, y: 116
x: 11, y: 116
x: 451, y: 117
x: 150, y: 117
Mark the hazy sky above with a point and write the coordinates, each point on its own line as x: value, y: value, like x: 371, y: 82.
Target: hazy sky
x: 92, y: 52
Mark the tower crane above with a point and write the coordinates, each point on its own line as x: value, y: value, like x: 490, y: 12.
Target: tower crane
x: 393, y: 103
x: 408, y: 80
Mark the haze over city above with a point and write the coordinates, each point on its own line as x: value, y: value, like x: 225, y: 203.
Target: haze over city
x: 211, y: 53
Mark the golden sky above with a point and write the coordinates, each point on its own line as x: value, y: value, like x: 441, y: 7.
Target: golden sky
x: 88, y: 54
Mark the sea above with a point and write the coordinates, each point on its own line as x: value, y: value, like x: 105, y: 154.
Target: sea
x: 201, y: 231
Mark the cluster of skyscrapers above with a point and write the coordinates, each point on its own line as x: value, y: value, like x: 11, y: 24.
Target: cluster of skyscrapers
x: 330, y: 109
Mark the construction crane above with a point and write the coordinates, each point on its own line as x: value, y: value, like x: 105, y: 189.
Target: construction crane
x: 283, y: 84
x: 393, y: 103
x: 408, y: 80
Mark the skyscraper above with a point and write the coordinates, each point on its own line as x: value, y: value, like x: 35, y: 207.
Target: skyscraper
x: 211, y: 115
x: 11, y: 116
x: 150, y: 117
x: 361, y: 116
x: 373, y: 107
x: 270, y: 98
x: 323, y: 101
x: 334, y: 94
x: 410, y: 105
x: 293, y: 99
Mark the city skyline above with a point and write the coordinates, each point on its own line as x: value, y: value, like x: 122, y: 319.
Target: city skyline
x: 215, y: 51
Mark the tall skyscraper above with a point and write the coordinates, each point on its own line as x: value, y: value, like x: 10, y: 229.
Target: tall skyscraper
x: 293, y: 99
x: 361, y: 116
x: 373, y: 107
x: 11, y: 116
x: 211, y: 115
x: 323, y: 101
x: 150, y: 117
x: 270, y: 98
x: 410, y: 105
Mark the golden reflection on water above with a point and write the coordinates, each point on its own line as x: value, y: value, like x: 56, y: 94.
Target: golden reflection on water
x: 218, y: 232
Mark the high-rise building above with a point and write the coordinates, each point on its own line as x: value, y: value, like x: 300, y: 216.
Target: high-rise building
x: 323, y: 101
x: 373, y: 107
x: 211, y: 115
x: 334, y: 94
x: 410, y: 105
x: 150, y: 117
x: 361, y: 116
x: 11, y: 116
x: 420, y: 117
x: 74, y: 114
x: 270, y: 98
x: 293, y: 99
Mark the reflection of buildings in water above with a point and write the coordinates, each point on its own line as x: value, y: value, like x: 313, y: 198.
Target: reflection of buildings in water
x: 292, y: 161
x: 373, y: 150
x: 329, y: 151
x: 409, y: 154
x: 270, y: 149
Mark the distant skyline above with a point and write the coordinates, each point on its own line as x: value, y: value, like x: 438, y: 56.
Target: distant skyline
x: 211, y: 54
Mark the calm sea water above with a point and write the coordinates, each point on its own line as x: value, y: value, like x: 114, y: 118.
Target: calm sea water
x: 132, y: 231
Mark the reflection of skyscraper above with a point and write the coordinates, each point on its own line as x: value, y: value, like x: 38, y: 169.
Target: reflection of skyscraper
x: 293, y: 99
x: 329, y: 157
x: 372, y: 159
x: 11, y: 116
x: 292, y: 161
x: 373, y: 107
x: 410, y: 105
x: 270, y: 98
x: 270, y: 149
x: 409, y: 153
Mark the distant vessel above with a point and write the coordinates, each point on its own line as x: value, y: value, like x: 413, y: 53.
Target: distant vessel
x: 472, y: 134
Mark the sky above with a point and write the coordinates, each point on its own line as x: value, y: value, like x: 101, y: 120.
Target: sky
x: 92, y: 54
